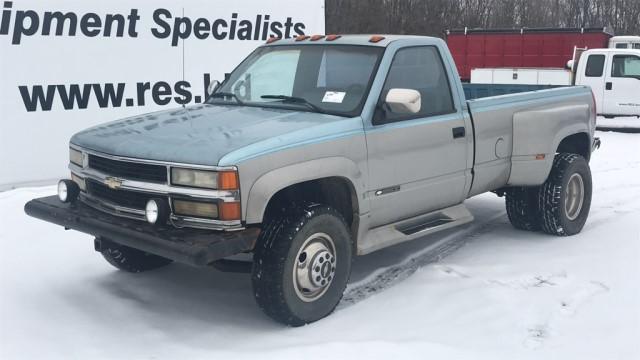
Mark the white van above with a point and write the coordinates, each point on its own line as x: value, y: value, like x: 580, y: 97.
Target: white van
x: 624, y: 42
x: 614, y: 78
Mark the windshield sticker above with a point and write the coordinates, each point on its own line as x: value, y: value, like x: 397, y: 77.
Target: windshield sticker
x: 333, y: 97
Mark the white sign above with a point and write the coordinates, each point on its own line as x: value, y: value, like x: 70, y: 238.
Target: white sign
x: 67, y: 65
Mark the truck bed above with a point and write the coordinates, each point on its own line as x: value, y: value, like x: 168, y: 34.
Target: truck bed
x: 477, y: 91
x: 517, y: 129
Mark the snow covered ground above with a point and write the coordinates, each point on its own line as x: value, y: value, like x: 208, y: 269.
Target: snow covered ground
x: 485, y: 291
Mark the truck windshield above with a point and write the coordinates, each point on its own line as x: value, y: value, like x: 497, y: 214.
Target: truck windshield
x: 332, y: 79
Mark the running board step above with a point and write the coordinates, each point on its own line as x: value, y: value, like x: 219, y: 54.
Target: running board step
x: 414, y: 228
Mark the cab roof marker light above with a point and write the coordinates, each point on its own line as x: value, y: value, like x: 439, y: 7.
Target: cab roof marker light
x: 316, y: 37
x: 333, y: 37
x: 302, y: 37
x: 272, y: 39
x: 376, y: 38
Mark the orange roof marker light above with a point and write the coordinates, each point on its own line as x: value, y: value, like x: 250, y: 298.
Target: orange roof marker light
x: 333, y: 37
x: 376, y: 38
x: 302, y: 37
x: 272, y: 39
x: 316, y: 37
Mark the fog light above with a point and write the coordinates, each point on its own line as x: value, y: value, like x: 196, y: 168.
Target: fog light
x: 156, y: 211
x: 67, y: 191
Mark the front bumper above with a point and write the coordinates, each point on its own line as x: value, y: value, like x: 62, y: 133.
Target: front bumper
x: 190, y: 246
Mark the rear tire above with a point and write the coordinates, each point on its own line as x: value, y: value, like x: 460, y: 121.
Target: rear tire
x: 301, y: 264
x: 565, y: 198
x: 131, y: 260
x: 522, y: 208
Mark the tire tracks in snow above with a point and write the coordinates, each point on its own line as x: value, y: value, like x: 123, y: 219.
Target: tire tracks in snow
x: 384, y: 278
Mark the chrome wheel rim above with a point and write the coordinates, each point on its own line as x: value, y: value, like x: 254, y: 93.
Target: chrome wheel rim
x: 574, y: 196
x: 314, y: 267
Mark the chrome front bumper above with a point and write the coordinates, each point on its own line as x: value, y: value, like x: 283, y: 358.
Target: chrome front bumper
x: 160, y: 189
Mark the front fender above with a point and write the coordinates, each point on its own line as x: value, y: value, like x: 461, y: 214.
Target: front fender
x: 267, y: 185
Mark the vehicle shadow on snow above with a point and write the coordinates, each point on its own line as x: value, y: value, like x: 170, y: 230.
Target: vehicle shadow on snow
x: 183, y: 300
x: 178, y: 299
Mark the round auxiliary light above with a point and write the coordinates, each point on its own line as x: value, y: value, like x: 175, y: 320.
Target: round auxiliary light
x: 68, y: 191
x: 156, y: 211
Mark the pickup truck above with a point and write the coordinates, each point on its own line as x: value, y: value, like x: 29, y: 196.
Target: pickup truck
x: 314, y: 150
x: 614, y: 78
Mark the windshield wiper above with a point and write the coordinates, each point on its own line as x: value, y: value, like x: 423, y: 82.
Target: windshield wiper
x: 226, y: 95
x: 295, y: 100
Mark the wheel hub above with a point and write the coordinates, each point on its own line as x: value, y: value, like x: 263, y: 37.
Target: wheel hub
x: 574, y: 196
x: 315, y: 267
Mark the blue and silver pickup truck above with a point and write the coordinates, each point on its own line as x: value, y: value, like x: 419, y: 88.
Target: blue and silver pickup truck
x: 315, y: 150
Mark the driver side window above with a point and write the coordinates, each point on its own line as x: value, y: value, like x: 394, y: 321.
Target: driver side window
x: 626, y: 66
x: 421, y: 69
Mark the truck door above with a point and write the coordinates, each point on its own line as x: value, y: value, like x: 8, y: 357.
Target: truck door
x: 621, y: 94
x: 418, y: 162
x: 593, y: 75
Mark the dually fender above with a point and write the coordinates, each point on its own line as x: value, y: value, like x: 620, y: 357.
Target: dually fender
x: 536, y: 137
x: 267, y: 185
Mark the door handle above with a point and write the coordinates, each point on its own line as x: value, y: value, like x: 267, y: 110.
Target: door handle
x: 458, y: 132
x: 608, y: 86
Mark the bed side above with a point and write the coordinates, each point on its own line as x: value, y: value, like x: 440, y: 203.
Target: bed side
x: 518, y: 134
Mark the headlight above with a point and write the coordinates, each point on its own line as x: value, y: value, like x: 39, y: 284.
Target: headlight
x: 80, y: 181
x: 223, y: 180
x: 75, y: 156
x: 195, y: 208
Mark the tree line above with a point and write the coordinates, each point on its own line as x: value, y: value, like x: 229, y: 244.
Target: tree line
x: 432, y: 17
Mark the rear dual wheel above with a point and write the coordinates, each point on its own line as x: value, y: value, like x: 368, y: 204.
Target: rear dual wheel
x: 561, y: 205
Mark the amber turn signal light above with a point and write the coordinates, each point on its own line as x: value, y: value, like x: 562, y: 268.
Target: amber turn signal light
x: 272, y: 39
x: 229, y: 211
x: 228, y: 180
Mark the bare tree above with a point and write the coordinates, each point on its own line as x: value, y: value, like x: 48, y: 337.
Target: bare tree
x: 431, y: 17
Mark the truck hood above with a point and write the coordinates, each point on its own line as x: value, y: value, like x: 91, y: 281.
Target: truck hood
x: 200, y: 134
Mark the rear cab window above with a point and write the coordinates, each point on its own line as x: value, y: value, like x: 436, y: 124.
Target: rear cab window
x: 595, y: 66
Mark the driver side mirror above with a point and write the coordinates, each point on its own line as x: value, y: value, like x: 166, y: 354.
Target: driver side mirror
x: 213, y: 86
x: 404, y: 101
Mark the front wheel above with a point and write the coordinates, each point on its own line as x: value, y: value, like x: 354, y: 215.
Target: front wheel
x: 301, y: 264
x: 565, y: 198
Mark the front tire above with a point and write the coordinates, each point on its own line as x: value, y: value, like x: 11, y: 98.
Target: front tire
x: 131, y: 260
x: 302, y: 263
x: 565, y: 198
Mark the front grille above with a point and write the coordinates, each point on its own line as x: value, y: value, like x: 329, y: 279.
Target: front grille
x: 125, y: 198
x: 129, y: 170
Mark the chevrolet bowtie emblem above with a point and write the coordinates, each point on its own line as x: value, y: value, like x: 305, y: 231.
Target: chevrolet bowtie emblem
x: 113, y: 182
